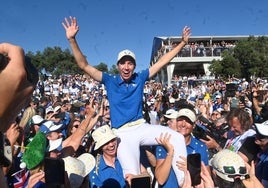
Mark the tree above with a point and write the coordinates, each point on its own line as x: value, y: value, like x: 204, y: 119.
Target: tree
x: 113, y: 70
x: 249, y: 57
x: 55, y: 61
x: 102, y: 67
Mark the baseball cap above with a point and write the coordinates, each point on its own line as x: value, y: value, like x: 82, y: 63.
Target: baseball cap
x: 228, y: 164
x: 124, y: 53
x: 49, y: 109
x: 187, y: 113
x: 36, y: 120
x: 171, y: 100
x: 262, y: 128
x: 171, y: 114
x: 50, y: 126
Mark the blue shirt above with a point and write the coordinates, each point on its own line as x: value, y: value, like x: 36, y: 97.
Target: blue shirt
x: 195, y: 146
x: 126, y: 99
x: 161, y: 153
x: 262, y: 167
x: 106, y: 176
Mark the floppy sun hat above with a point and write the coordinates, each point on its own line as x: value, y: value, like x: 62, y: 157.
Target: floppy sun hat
x: 78, y: 168
x: 102, y: 135
x: 228, y: 165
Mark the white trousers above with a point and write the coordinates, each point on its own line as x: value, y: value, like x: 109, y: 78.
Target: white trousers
x: 131, y: 138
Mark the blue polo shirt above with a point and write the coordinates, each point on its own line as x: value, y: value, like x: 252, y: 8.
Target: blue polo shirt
x: 125, y: 99
x: 107, y: 176
x: 197, y: 146
x: 262, y: 166
x: 161, y: 153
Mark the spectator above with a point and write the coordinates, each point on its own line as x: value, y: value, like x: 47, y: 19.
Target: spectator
x: 12, y: 60
x: 231, y: 170
x: 262, y: 161
x: 108, y: 171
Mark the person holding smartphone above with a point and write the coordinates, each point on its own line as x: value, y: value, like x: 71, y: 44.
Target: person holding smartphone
x: 185, y: 122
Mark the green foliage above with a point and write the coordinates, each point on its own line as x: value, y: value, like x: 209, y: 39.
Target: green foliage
x: 58, y: 62
x: 102, y: 67
x: 249, y: 57
x: 114, y: 70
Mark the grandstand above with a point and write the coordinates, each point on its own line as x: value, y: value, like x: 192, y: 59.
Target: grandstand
x: 194, y: 59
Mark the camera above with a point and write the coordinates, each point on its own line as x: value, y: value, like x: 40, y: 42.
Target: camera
x: 211, y: 130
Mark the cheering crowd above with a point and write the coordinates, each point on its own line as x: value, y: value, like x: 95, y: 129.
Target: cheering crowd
x: 111, y: 129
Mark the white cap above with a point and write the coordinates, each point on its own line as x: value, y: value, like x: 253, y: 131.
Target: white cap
x: 36, y: 119
x: 125, y: 53
x: 171, y: 100
x: 262, y: 128
x: 171, y: 114
x: 190, y: 114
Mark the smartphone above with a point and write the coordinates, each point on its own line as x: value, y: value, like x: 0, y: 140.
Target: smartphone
x: 143, y: 181
x: 194, y: 167
x: 242, y: 99
x: 54, y: 172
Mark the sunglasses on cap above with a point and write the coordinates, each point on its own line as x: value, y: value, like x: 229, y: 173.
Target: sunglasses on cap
x: 230, y: 170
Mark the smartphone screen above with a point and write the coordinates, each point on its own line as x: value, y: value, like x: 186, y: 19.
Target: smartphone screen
x: 141, y: 182
x: 54, y: 172
x: 194, y: 167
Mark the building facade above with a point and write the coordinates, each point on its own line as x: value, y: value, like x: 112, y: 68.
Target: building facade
x: 194, y: 59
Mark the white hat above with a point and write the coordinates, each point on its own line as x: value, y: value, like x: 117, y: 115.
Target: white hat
x: 55, y: 144
x: 78, y: 168
x: 171, y: 114
x: 218, y: 97
x: 56, y: 109
x: 262, y: 128
x: 249, y: 111
x: 226, y: 163
x: 49, y: 126
x: 49, y: 109
x: 102, y: 135
x: 125, y: 53
x: 171, y: 100
x: 187, y: 113
x: 36, y: 120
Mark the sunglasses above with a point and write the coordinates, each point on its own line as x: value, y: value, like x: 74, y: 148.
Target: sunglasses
x: 230, y: 170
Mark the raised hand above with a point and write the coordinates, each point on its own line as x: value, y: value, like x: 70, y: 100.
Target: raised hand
x: 70, y: 27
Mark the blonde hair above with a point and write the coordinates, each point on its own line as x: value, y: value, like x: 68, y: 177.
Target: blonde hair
x: 27, y: 115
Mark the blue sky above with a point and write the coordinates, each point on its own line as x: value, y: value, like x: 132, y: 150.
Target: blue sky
x: 108, y: 26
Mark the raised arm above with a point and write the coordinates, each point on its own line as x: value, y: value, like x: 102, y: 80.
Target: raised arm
x: 71, y: 27
x: 165, y: 59
x: 16, y: 85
